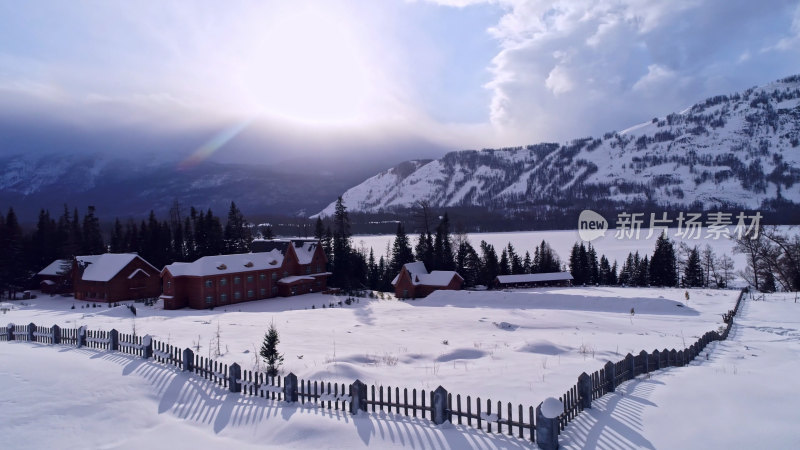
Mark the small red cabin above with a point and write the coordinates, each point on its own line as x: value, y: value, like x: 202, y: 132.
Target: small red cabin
x: 112, y: 277
x: 414, y: 281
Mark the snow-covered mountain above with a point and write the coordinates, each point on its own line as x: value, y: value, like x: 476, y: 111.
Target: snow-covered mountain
x: 740, y: 150
x: 133, y: 186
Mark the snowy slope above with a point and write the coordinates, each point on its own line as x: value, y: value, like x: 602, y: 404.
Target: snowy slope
x: 737, y: 398
x: 730, y: 150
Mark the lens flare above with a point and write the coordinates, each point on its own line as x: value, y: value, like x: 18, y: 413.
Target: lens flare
x: 213, y: 145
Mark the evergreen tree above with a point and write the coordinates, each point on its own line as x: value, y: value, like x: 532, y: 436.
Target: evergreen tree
x: 613, y: 279
x: 468, y: 264
x: 401, y: 250
x: 424, y: 250
x: 643, y: 272
x: 269, y: 351
x: 515, y: 262
x: 12, y: 260
x: 527, y: 263
x: 443, y: 258
x: 604, y: 271
x: 663, y: 265
x: 504, y: 266
x: 341, y: 273
x: 266, y: 233
x: 768, y: 282
x: 237, y: 231
x: 92, y: 237
x: 490, y: 266
x: 117, y: 244
x: 693, y: 272
x: 593, y: 267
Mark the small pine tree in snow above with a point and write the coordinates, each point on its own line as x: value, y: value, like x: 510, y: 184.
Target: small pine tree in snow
x: 269, y: 351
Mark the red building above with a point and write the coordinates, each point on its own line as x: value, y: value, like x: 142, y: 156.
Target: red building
x: 276, y: 267
x: 414, y: 281
x: 52, y: 279
x: 114, y: 277
x: 533, y: 280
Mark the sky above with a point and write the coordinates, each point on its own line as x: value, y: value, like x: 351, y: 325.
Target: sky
x: 369, y: 80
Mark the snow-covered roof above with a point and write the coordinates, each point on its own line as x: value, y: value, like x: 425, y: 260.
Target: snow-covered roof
x: 106, y: 266
x: 533, y: 277
x: 135, y: 272
x: 224, y: 264
x: 420, y: 276
x: 305, y: 250
x: 54, y: 268
x: 48, y: 282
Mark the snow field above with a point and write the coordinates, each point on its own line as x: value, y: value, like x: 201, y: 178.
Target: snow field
x: 520, y: 346
x: 739, y: 394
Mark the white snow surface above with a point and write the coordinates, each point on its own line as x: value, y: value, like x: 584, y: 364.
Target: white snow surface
x: 223, y: 264
x: 106, y: 266
x: 54, y: 268
x: 739, y: 393
x: 534, y: 277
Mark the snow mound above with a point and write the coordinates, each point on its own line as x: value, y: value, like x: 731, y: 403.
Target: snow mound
x: 506, y: 326
x: 543, y: 347
x: 461, y: 353
x: 552, y: 408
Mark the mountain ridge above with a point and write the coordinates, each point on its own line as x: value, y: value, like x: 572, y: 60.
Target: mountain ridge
x: 728, y: 151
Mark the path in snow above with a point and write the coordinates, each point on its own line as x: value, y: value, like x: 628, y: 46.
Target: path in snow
x: 742, y: 396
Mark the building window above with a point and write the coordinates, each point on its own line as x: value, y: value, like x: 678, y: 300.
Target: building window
x: 249, y: 278
x: 308, y: 270
x: 274, y: 276
x: 251, y: 294
x: 262, y: 276
x: 223, y: 282
x: 319, y: 268
x: 223, y: 298
x: 294, y: 290
x: 237, y: 295
x: 209, y: 283
x: 285, y: 274
x: 274, y: 290
x: 263, y: 292
x: 169, y: 284
x: 405, y: 293
x: 237, y: 280
x: 209, y: 300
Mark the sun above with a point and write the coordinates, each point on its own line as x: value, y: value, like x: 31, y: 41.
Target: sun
x: 309, y: 65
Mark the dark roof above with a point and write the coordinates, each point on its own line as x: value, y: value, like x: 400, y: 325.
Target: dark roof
x: 263, y: 246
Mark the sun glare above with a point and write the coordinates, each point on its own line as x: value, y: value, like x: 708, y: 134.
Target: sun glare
x: 309, y: 66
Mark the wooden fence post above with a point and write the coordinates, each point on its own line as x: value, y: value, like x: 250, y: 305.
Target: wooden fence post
x: 234, y: 376
x: 547, y: 414
x: 681, y: 356
x: 188, y: 360
x: 10, y: 331
x: 56, y: 334
x: 585, y: 390
x: 290, y: 388
x: 440, y: 413
x: 147, y: 347
x: 31, y: 331
x: 610, y: 375
x: 81, y: 337
x: 656, y: 359
x: 630, y: 365
x: 673, y: 357
x: 358, y: 397
x: 644, y: 356
x: 113, y: 340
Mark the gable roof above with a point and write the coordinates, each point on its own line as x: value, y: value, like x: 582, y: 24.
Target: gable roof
x: 534, y: 277
x: 420, y: 276
x: 55, y: 268
x: 225, y: 264
x: 305, y: 250
x: 106, y: 266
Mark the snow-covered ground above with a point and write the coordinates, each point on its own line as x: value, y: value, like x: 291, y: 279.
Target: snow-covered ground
x: 519, y: 346
x: 743, y: 396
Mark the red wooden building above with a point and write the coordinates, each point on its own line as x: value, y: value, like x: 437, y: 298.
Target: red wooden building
x: 414, y: 281
x: 52, y: 278
x: 276, y: 267
x: 112, y: 277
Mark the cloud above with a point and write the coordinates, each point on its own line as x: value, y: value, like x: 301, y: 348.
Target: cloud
x: 571, y: 68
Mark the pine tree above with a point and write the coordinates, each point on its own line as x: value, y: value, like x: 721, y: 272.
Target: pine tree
x: 604, y: 272
x: 401, y: 250
x: 12, y: 261
x: 117, y: 244
x: 504, y: 266
x: 693, y: 272
x: 514, y: 261
x: 468, y: 264
x: 663, y: 265
x: 768, y: 282
x: 341, y: 273
x: 269, y: 351
x: 527, y: 263
x: 424, y: 250
x: 593, y: 267
x: 490, y: 266
x: 443, y: 258
x: 237, y: 231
